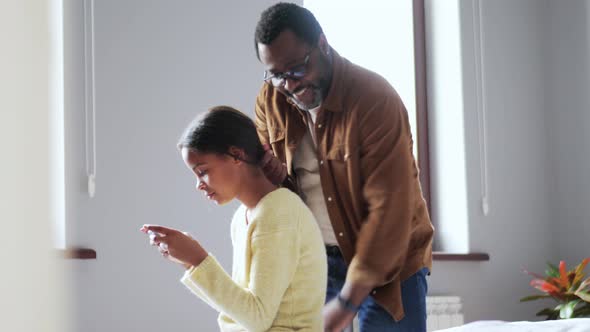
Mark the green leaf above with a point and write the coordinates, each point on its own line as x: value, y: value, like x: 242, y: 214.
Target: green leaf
x: 580, y: 267
x: 583, y: 295
x: 534, y: 297
x: 582, y: 311
x: 567, y: 310
x: 550, y: 313
x: 578, y: 272
x: 584, y: 284
x: 578, y: 279
x: 552, y: 270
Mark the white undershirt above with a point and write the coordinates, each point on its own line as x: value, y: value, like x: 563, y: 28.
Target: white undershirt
x: 306, y: 166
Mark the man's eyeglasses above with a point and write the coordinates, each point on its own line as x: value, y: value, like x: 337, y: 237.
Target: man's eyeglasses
x: 295, y: 73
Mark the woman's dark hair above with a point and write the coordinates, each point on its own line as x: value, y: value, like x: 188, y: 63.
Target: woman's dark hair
x: 221, y: 128
x: 286, y: 16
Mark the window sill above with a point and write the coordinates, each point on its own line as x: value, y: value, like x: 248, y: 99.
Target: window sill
x: 77, y: 253
x: 471, y: 257
x: 85, y: 253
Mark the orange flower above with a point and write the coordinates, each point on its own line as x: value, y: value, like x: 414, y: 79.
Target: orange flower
x: 544, y: 286
x: 566, y: 287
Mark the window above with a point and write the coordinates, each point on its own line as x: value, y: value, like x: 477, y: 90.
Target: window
x: 386, y: 37
x: 56, y: 118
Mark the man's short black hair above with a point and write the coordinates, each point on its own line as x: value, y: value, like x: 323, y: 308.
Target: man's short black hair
x: 283, y: 16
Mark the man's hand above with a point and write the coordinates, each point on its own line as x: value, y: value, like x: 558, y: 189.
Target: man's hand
x: 336, y: 317
x: 275, y: 171
x: 175, y: 245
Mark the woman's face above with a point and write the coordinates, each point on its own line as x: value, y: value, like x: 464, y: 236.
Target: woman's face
x: 217, y: 175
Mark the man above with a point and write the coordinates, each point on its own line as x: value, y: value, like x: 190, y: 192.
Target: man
x: 339, y: 135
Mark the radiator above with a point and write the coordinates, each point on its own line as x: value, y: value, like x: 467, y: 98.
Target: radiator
x: 443, y: 312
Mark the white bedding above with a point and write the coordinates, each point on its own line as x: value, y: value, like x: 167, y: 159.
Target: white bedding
x: 566, y: 325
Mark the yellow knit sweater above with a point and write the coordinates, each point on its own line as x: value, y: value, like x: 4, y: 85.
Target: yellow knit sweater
x: 279, y: 273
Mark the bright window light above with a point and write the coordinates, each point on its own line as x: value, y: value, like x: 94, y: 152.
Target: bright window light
x: 56, y: 141
x: 375, y: 34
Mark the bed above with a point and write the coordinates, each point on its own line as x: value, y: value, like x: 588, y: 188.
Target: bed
x: 566, y: 325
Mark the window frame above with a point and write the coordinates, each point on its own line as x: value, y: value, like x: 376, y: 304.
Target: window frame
x: 421, y: 99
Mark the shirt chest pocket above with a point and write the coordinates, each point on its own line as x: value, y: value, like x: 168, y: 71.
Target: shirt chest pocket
x: 343, y: 163
x: 276, y: 138
x: 276, y: 135
x: 341, y: 167
x: 338, y: 154
x: 337, y: 161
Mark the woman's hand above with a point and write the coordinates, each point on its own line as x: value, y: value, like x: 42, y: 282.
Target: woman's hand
x: 175, y: 245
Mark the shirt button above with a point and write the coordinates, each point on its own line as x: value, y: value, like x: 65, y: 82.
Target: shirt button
x: 321, y: 162
x: 319, y: 125
x: 374, y: 292
x: 341, y: 234
x: 329, y: 199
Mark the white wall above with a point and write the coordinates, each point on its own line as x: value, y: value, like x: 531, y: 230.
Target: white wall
x: 158, y: 64
x: 568, y: 111
x: 530, y: 83
x: 31, y: 287
x: 517, y: 230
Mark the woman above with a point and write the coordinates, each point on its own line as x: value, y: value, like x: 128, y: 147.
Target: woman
x: 279, y: 262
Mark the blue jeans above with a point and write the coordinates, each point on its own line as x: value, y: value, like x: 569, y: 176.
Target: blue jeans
x: 372, y: 317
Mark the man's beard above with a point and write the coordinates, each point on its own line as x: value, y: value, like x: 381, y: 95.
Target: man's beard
x: 318, y: 97
x: 319, y: 90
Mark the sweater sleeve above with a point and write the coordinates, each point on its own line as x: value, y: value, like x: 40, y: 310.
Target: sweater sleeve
x: 272, y: 267
x: 195, y: 290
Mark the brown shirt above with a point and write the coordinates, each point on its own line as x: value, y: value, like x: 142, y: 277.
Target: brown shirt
x: 368, y: 174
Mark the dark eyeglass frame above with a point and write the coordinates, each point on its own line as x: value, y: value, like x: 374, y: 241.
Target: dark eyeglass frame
x: 296, y: 73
